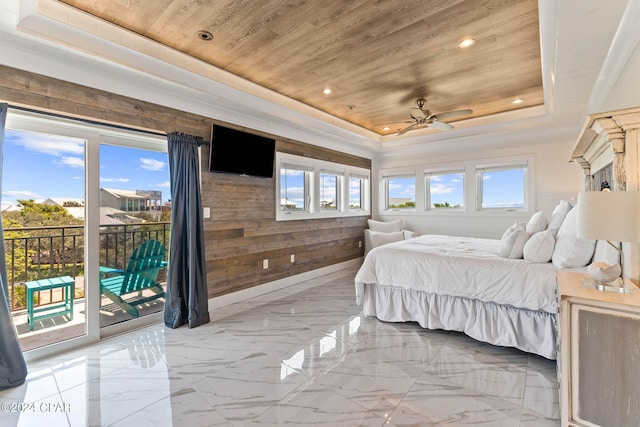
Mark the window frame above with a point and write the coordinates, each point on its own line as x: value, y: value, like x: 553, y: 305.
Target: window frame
x: 428, y: 173
x: 339, y: 178
x: 306, y: 182
x: 500, y: 167
x: 313, y: 170
x: 471, y: 200
x: 385, y: 190
x: 363, y: 180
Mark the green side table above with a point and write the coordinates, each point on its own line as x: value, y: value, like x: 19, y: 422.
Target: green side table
x: 62, y: 308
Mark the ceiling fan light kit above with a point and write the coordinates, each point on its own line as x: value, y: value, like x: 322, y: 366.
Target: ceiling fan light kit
x: 421, y: 118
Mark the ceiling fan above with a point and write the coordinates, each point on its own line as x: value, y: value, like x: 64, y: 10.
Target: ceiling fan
x: 421, y: 118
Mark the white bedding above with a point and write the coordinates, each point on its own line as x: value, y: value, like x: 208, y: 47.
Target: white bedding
x: 460, y: 267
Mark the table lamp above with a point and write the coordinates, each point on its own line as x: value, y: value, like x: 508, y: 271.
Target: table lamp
x: 611, y: 216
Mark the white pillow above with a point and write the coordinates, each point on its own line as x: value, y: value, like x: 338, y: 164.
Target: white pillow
x: 513, y: 242
x: 385, y: 227
x: 571, y: 251
x: 537, y: 223
x: 539, y: 247
x: 515, y: 225
x: 379, y: 238
x: 409, y: 234
x: 558, y: 215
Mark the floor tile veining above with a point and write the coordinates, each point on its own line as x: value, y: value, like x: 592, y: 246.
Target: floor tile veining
x: 301, y: 356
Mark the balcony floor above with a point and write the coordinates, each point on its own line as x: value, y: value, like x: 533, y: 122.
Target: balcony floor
x: 61, y: 328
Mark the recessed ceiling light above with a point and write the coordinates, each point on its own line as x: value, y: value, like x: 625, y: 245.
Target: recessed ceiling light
x: 466, y: 42
x: 386, y: 128
x: 205, y: 35
x: 327, y: 91
x: 517, y: 101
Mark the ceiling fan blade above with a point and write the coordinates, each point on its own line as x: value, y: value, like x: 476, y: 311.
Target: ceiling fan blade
x: 452, y: 114
x: 417, y: 113
x: 440, y: 125
x: 393, y: 123
x: 408, y: 128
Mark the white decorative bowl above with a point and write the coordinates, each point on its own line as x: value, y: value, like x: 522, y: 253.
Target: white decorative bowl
x: 602, y: 272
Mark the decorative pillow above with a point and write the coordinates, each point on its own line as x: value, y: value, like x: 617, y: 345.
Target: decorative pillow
x: 571, y: 251
x: 515, y: 225
x: 539, y: 247
x: 513, y: 242
x: 537, y: 223
x: 385, y: 227
x: 558, y: 215
x: 409, y: 234
x: 379, y: 238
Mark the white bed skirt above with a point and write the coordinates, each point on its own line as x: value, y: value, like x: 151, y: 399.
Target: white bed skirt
x: 528, y: 330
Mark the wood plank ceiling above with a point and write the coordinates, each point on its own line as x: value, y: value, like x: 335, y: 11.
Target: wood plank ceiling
x: 377, y: 57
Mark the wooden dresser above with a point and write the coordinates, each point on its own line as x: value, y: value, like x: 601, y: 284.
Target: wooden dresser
x: 599, y: 361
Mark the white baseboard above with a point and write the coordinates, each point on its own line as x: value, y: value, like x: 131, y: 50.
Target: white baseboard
x: 265, y: 288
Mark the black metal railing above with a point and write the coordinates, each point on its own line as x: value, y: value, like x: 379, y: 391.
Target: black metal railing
x: 34, y: 253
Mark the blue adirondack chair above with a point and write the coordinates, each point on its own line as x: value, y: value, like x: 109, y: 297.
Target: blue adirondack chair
x: 126, y: 288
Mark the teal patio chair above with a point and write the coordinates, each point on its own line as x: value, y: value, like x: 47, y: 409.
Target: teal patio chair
x: 126, y: 288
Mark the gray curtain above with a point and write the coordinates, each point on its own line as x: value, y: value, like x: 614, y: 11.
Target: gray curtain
x: 13, y: 369
x: 186, y: 298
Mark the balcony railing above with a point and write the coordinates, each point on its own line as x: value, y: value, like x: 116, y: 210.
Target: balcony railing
x: 35, y: 253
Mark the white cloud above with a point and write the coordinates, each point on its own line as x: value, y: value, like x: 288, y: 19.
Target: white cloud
x: 74, y: 162
x: 151, y: 164
x: 21, y: 194
x: 441, y: 189
x: 49, y: 144
x: 166, y: 184
x: 102, y: 179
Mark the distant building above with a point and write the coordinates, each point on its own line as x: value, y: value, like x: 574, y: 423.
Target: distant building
x: 116, y: 206
x: 132, y: 201
x: 111, y: 216
x: 65, y: 202
x: 395, y: 201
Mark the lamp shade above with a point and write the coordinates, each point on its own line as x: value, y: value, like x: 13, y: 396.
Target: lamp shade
x: 609, y: 215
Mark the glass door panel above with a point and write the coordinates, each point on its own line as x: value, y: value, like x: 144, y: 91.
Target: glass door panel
x: 134, y: 209
x: 43, y: 221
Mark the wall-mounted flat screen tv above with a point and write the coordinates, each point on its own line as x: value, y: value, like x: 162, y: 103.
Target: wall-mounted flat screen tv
x: 241, y: 153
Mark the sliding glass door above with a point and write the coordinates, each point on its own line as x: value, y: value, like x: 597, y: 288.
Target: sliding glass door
x: 77, y: 199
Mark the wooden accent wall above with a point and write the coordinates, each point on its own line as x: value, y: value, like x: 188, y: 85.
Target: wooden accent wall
x: 242, y: 230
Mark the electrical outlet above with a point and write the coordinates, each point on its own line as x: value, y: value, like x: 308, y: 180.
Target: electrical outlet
x: 265, y: 264
x: 359, y: 243
x: 293, y: 258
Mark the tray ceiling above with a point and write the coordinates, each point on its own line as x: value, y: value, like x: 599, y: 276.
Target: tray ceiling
x: 376, y: 57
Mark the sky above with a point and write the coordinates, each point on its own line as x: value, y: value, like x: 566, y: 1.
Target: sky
x: 38, y: 167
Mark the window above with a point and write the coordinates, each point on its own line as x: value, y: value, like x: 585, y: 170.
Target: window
x: 329, y: 190
x: 445, y: 190
x: 502, y: 186
x: 400, y: 192
x: 311, y: 188
x: 356, y: 191
x: 294, y: 188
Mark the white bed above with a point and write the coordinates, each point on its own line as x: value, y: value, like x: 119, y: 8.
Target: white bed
x: 462, y: 284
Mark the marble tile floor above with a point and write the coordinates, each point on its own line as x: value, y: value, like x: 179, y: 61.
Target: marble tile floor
x: 300, y: 356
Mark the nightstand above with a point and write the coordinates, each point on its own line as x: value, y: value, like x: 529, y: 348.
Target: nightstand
x: 599, y: 360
